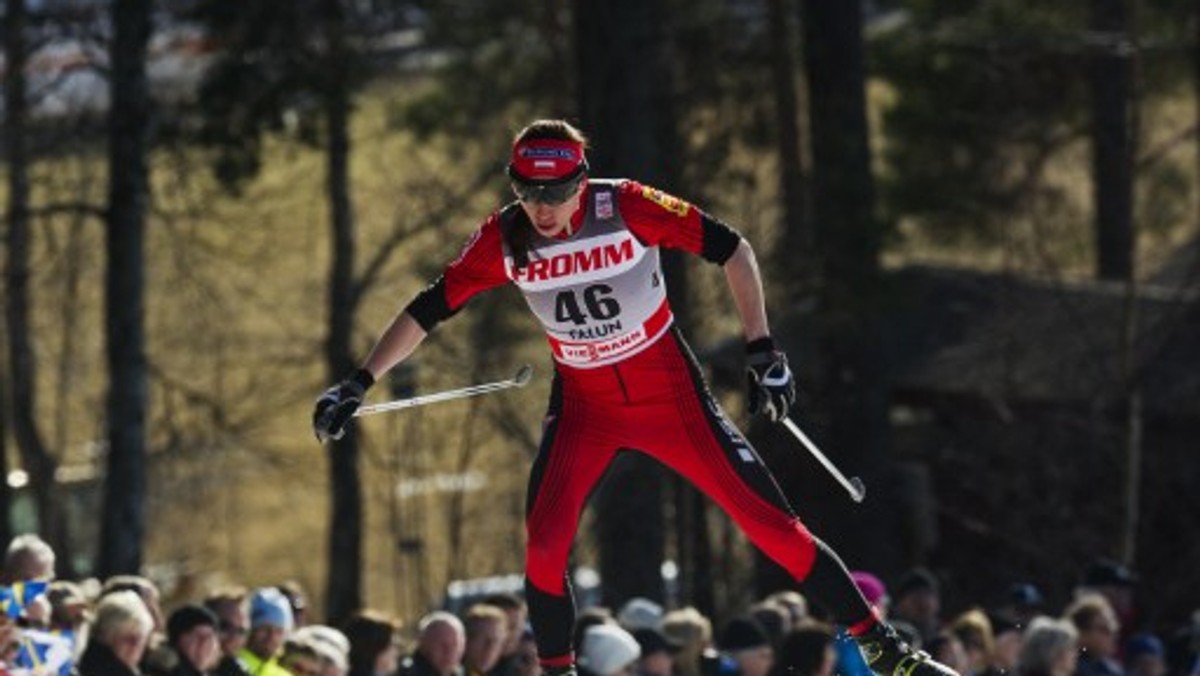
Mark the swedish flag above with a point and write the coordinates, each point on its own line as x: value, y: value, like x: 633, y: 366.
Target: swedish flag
x: 14, y: 599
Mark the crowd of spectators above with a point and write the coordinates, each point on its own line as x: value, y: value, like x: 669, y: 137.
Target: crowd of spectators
x: 118, y: 627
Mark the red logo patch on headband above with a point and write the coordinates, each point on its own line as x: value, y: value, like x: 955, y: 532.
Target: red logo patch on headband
x: 546, y: 159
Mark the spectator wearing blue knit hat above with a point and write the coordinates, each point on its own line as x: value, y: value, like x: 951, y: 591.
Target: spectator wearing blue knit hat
x: 270, y: 623
x: 1145, y: 655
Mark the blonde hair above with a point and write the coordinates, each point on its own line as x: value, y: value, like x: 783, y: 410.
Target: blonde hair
x: 974, y: 629
x: 480, y: 613
x: 118, y: 613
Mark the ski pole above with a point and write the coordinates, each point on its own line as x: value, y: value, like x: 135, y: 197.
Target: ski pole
x: 520, y: 379
x: 854, y: 486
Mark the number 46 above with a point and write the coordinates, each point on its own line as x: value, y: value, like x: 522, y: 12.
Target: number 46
x: 595, y: 299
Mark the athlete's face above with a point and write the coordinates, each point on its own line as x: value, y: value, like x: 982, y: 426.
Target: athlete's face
x: 550, y: 220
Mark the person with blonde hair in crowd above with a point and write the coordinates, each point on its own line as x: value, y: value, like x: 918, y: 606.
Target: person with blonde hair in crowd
x: 1099, y: 635
x: 119, y: 636
x: 486, y: 628
x: 689, y: 629
x: 1049, y: 648
x: 517, y: 613
x: 974, y: 631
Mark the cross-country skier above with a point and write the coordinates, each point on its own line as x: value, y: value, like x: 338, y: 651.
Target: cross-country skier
x: 585, y: 254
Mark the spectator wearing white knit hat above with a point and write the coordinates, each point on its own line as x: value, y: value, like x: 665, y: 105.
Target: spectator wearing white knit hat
x: 608, y: 650
x: 331, y: 645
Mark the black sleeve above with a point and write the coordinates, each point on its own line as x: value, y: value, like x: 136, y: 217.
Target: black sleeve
x: 720, y: 240
x: 429, y: 307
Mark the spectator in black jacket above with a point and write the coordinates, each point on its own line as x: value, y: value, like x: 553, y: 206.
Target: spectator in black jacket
x: 122, y: 628
x: 192, y: 634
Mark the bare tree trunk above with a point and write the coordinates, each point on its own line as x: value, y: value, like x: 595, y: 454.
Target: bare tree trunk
x: 849, y: 240
x: 795, y: 244
x: 1114, y: 132
x: 625, y: 106
x: 123, y: 521
x: 1112, y: 156
x: 344, y: 582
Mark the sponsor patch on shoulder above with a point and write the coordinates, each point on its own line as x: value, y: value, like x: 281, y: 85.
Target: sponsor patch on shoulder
x: 669, y: 202
x: 604, y: 205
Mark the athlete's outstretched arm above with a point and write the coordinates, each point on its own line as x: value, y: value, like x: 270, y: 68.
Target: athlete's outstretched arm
x: 741, y: 273
x: 396, y: 343
x: 772, y: 389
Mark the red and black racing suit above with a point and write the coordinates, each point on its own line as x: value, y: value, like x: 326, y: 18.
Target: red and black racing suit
x: 625, y: 379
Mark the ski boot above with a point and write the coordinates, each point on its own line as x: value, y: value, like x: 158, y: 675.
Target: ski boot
x: 889, y: 655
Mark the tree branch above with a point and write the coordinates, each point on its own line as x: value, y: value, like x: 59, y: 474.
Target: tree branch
x: 69, y: 208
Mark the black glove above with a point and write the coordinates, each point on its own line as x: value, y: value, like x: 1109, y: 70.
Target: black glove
x: 337, y: 405
x: 772, y: 390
